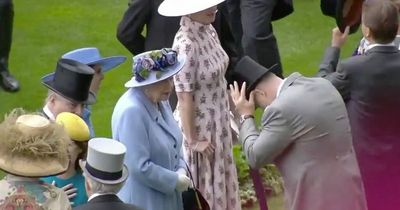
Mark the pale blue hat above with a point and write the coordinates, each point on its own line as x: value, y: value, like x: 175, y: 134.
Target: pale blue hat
x: 155, y: 66
x: 91, y: 56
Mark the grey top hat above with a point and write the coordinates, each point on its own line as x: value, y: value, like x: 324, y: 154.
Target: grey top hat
x: 105, y: 161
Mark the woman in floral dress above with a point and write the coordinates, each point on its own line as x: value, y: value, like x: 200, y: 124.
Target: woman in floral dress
x: 203, y: 103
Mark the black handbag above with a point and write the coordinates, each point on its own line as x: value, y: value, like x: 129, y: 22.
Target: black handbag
x: 192, y: 198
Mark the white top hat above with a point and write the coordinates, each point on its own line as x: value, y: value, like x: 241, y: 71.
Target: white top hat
x: 105, y: 161
x: 175, y: 8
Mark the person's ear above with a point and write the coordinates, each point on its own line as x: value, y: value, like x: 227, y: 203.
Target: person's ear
x: 260, y: 92
x: 367, y: 32
x: 87, y: 186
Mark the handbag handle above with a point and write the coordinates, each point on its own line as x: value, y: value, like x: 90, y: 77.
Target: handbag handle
x: 190, y: 174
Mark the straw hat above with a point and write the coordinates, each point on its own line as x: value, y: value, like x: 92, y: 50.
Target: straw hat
x: 32, y: 146
x: 174, y: 8
x: 74, y: 125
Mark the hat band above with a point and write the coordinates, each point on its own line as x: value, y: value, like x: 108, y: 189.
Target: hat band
x: 102, y: 174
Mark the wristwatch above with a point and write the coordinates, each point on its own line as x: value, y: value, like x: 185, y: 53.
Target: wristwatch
x: 244, y: 117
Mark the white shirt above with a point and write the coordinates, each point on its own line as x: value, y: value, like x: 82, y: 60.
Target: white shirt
x: 280, y: 87
x: 376, y: 45
x: 98, y: 194
x: 49, y: 114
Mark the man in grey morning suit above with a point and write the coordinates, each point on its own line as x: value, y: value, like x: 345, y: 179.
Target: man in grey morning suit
x: 305, y: 132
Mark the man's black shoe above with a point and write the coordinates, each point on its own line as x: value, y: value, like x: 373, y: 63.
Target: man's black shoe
x: 8, y: 82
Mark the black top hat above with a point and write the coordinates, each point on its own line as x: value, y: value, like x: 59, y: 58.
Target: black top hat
x: 346, y: 12
x: 71, y: 80
x: 249, y: 71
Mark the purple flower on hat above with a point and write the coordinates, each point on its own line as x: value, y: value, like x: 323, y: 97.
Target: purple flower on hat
x: 155, y: 61
x: 141, y: 74
x: 147, y: 63
x: 168, y: 58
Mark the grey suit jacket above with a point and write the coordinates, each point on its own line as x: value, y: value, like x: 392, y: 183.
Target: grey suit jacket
x: 306, y: 133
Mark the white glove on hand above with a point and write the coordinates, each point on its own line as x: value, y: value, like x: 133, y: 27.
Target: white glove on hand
x: 183, y: 183
x: 181, y: 171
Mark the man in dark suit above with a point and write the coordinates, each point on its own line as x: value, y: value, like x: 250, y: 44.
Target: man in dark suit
x: 105, y: 174
x: 252, y: 28
x: 370, y: 86
x: 7, y: 81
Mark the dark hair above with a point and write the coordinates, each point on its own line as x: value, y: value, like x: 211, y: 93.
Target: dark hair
x: 381, y: 17
x: 83, y: 145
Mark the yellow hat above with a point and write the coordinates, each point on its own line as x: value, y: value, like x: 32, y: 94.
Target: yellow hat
x: 74, y: 126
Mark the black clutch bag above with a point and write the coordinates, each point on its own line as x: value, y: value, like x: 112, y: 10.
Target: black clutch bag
x: 192, y: 198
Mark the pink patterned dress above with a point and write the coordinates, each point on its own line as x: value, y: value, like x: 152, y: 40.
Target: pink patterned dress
x: 203, y: 75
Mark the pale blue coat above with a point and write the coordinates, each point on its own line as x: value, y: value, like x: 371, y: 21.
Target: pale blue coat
x: 153, y: 140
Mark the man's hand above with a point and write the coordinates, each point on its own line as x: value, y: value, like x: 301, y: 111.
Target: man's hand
x: 243, y: 106
x: 339, y: 38
x: 97, y: 78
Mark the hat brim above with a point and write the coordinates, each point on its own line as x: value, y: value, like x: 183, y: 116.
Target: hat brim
x: 351, y: 18
x: 29, y: 167
x: 124, y: 176
x: 169, y: 72
x: 175, y: 8
x: 108, y: 63
x: 252, y: 86
x: 48, y: 81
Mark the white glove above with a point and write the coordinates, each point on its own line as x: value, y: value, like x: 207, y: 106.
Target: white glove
x: 181, y: 171
x: 183, y: 183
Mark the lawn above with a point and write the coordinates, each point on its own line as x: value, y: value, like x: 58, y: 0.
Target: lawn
x: 46, y: 29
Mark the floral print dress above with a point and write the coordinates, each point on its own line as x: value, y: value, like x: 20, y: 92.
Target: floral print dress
x: 203, y: 76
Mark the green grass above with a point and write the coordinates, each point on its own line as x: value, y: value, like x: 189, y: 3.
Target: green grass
x: 44, y: 31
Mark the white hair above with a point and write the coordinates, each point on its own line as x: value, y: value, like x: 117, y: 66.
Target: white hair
x: 50, y: 94
x: 98, y: 187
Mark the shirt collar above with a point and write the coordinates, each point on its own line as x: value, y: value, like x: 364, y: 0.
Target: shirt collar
x: 378, y: 45
x: 99, y: 194
x: 278, y: 92
x: 49, y: 114
x: 189, y: 23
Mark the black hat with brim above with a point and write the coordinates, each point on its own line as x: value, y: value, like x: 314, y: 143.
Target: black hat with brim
x: 249, y: 71
x: 72, y: 80
x: 345, y: 12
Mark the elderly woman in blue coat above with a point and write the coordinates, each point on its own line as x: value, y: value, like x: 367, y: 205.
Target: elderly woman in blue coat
x: 143, y: 121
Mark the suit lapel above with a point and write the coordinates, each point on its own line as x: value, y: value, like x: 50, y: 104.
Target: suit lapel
x: 156, y: 115
x: 105, y: 199
x: 168, y: 119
